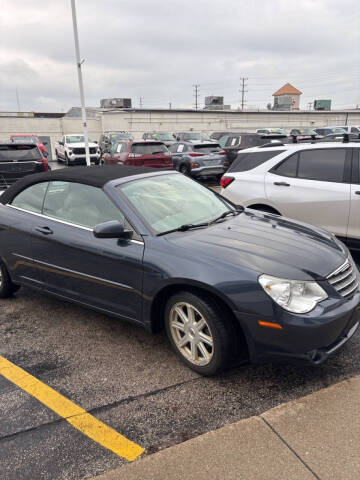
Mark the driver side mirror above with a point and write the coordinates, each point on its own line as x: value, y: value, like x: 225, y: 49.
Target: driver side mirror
x: 112, y: 229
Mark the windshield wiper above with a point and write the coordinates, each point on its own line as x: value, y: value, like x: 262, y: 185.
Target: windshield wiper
x: 234, y: 212
x: 188, y: 226
x: 184, y: 228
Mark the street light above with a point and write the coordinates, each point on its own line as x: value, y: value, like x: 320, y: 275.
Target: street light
x: 81, y: 85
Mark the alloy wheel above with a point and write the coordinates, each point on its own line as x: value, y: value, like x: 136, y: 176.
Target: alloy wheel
x: 191, y: 334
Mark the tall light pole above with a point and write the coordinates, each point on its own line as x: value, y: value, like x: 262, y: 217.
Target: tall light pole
x: 81, y: 85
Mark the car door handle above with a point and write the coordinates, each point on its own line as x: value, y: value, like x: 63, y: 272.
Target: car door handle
x: 282, y: 184
x: 44, y: 230
x: 357, y: 192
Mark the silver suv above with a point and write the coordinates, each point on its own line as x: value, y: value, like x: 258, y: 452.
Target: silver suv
x: 314, y: 183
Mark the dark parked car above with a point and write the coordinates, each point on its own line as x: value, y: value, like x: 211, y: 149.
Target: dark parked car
x: 336, y: 137
x: 140, y: 153
x: 27, y: 138
x: 107, y: 139
x: 323, y: 131
x: 217, y: 135
x: 161, y: 250
x: 233, y: 142
x: 199, y: 160
x: 18, y: 160
x: 192, y: 137
x: 166, y: 137
x: 304, y: 134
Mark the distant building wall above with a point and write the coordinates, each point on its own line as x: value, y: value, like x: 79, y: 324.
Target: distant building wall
x: 140, y: 121
x: 52, y: 127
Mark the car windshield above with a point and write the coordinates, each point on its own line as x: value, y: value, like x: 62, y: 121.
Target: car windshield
x: 25, y: 138
x: 163, y: 137
x: 307, y: 131
x: 277, y: 131
x: 204, y: 148
x: 76, y: 139
x: 196, y: 136
x: 19, y: 153
x: 148, y: 148
x: 167, y: 202
x: 120, y: 136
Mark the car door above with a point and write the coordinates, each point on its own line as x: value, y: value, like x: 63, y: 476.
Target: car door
x: 178, y: 150
x: 105, y: 273
x: 353, y: 233
x: 20, y: 220
x: 313, y: 186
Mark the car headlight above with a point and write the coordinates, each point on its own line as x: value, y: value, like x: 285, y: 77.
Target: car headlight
x: 293, y: 295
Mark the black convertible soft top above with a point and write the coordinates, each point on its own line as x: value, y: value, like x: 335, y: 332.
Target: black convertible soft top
x: 97, y: 176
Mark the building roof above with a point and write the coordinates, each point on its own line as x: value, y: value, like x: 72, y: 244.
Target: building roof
x: 96, y: 176
x: 287, y: 89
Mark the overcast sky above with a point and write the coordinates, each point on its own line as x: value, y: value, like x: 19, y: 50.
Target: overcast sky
x: 158, y: 49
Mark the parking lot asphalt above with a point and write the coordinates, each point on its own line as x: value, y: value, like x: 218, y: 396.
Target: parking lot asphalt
x: 127, y: 379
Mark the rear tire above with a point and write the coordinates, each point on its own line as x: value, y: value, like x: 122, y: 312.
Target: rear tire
x: 184, y: 169
x: 7, y: 287
x: 201, y: 335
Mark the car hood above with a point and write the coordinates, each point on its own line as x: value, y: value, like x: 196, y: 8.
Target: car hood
x: 81, y: 145
x: 265, y: 243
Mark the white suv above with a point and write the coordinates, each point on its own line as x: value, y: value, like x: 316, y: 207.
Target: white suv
x: 314, y: 183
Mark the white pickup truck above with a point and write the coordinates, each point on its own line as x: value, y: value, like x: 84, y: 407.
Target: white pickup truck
x: 71, y: 150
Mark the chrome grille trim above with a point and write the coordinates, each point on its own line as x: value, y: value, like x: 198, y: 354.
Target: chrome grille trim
x: 344, y: 279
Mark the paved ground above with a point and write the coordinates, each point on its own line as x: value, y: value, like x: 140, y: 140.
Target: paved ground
x: 293, y: 441
x: 128, y: 379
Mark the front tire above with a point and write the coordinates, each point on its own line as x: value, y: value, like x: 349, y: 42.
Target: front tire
x: 7, y: 287
x: 200, y: 334
x: 67, y: 161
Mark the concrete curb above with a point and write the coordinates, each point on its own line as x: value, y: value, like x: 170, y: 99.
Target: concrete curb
x: 317, y: 436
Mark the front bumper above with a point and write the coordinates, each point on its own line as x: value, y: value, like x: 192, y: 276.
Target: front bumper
x: 81, y: 159
x: 305, y: 339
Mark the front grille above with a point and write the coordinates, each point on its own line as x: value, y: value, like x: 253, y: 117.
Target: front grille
x: 344, y: 279
x: 81, y: 151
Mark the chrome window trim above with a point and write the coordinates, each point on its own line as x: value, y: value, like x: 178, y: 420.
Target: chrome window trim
x: 50, y: 218
x: 61, y: 221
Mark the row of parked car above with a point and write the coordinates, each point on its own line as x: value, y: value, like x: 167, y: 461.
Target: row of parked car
x: 192, y: 153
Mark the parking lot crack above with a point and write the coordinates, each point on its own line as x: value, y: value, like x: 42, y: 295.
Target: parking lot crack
x: 130, y: 399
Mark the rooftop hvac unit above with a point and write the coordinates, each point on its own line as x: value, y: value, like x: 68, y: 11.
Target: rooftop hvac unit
x: 115, y: 103
x: 322, y: 104
x: 214, y: 100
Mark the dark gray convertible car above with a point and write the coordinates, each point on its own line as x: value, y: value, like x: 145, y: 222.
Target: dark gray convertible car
x: 161, y: 250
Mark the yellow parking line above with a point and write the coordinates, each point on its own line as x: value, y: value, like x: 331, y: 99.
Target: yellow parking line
x: 72, y: 413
